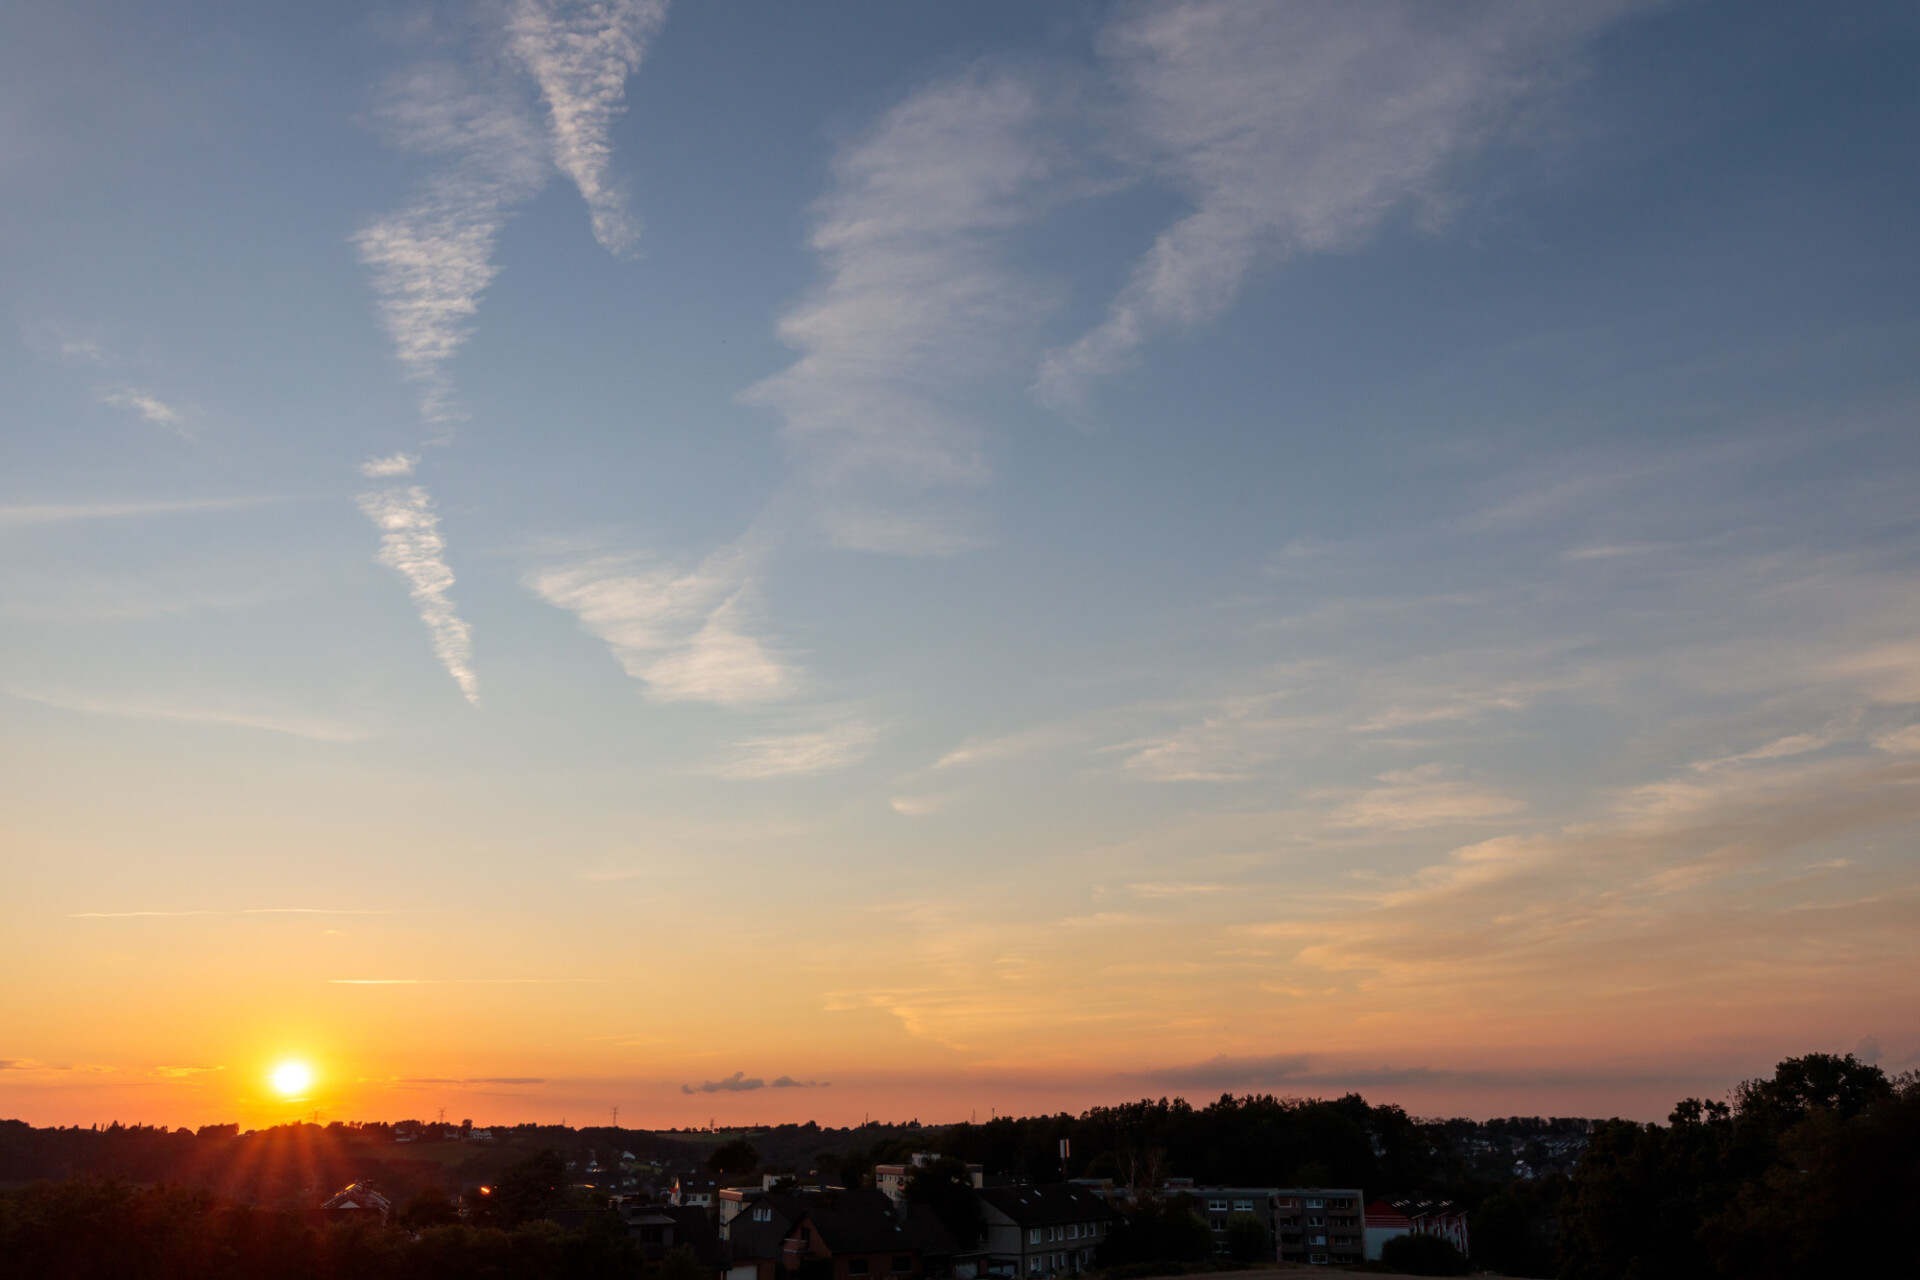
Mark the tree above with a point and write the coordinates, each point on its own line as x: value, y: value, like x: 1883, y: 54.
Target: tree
x: 1844, y: 1086
x: 735, y: 1155
x: 1513, y: 1229
x: 682, y: 1263
x: 1419, y: 1253
x: 1249, y: 1239
x: 429, y: 1207
x: 946, y: 1185
x: 1778, y: 1185
x: 530, y: 1189
x: 1184, y: 1234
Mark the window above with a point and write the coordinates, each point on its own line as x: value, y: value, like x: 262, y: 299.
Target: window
x: 1243, y: 1206
x: 1316, y: 1203
x: 902, y: 1262
x: 1320, y: 1258
x: 857, y: 1266
x: 1216, y: 1206
x: 1318, y: 1237
x: 1033, y: 1236
x: 1036, y: 1267
x: 1316, y: 1222
x: 762, y: 1214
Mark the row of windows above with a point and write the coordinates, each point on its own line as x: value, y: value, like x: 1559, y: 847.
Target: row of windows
x: 1072, y: 1231
x: 1220, y: 1206
x: 1048, y: 1263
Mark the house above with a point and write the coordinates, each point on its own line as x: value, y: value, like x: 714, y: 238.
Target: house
x: 1383, y: 1223
x: 1320, y: 1225
x: 1042, y: 1231
x: 692, y: 1189
x: 1443, y: 1218
x: 661, y: 1227
x: 733, y: 1201
x: 357, y: 1202
x: 852, y: 1236
x: 753, y: 1235
x: 892, y: 1178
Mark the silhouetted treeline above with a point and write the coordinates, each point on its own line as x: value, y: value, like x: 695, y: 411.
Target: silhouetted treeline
x: 1257, y: 1140
x: 1809, y: 1174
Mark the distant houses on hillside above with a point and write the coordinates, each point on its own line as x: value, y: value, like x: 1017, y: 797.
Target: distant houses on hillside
x: 980, y: 1228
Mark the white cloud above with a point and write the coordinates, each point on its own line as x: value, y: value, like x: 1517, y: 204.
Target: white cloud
x: 58, y: 342
x: 1421, y: 797
x: 1023, y: 745
x: 1229, y: 745
x: 411, y: 545
x: 1174, y: 890
x: 398, y: 464
x: 682, y: 634
x: 1900, y: 741
x: 916, y: 302
x: 148, y: 406
x: 299, y: 726
x: 794, y: 754
x: 432, y: 260
x: 920, y: 806
x: 581, y: 56
x: 1297, y: 128
x: 63, y: 512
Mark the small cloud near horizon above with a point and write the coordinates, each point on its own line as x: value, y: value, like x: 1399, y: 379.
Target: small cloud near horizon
x: 741, y: 1082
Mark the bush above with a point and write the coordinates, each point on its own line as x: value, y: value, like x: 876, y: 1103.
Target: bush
x: 1420, y: 1254
x: 1248, y: 1239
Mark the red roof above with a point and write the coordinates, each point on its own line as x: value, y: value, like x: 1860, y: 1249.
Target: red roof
x: 1382, y: 1214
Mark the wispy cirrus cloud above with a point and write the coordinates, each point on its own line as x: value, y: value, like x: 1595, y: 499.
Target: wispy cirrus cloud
x: 244, y: 911
x: 581, y: 56
x: 473, y: 123
x: 917, y: 301
x: 685, y: 634
x: 394, y: 464
x: 433, y: 258
x: 412, y: 546
x: 66, y: 344
x: 444, y: 982
x: 788, y: 755
x: 315, y: 728
x: 64, y: 512
x: 1422, y: 797
x: 1298, y: 129
x: 150, y: 407
x: 471, y: 1080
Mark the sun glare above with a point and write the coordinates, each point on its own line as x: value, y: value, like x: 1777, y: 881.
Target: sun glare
x: 292, y: 1078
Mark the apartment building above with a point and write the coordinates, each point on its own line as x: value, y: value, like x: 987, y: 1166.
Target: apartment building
x: 1316, y: 1225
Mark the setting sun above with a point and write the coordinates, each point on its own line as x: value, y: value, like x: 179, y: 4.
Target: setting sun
x: 292, y: 1078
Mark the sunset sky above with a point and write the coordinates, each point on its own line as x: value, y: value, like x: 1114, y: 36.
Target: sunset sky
x: 766, y: 561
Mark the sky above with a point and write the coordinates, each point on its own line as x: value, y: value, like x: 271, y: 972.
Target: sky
x: 758, y: 561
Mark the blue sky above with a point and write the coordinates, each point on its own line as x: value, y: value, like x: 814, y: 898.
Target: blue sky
x: 1035, y: 548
